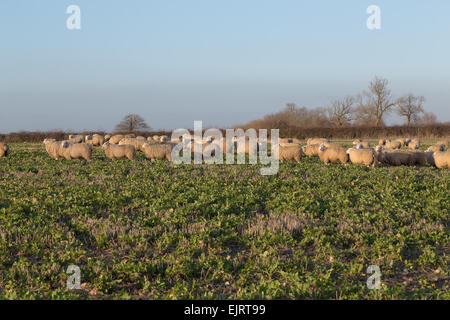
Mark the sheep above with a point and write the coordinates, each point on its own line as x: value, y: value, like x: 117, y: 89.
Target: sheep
x: 444, y: 143
x: 442, y: 159
x: 107, y: 137
x: 70, y: 150
x: 363, y: 156
x: 437, y: 147
x: 156, y: 138
x: 393, y: 145
x: 114, y: 151
x: 4, y: 150
x: 78, y: 138
x: 140, y: 138
x: 116, y: 138
x: 328, y: 155
x: 381, y: 142
x: 316, y: 141
x: 290, y: 151
x: 396, y: 157
x: 162, y: 151
x: 95, y: 140
x: 53, y: 148
x: 137, y: 143
x: 163, y: 139
x: 130, y: 135
x: 417, y: 157
x: 402, y: 141
x: 361, y: 144
x: 414, y: 144
x: 311, y: 150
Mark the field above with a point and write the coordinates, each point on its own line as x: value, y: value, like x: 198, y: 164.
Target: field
x: 159, y: 231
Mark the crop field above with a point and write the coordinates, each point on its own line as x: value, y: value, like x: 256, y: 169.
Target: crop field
x: 155, y: 230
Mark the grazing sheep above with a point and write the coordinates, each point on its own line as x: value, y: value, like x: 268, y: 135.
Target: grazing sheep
x: 78, y: 138
x: 130, y: 135
x: 382, y: 142
x: 417, y: 157
x: 436, y: 147
x: 361, y: 144
x: 70, y: 151
x: 414, y: 144
x: 362, y: 156
x: 444, y: 143
x: 290, y: 152
x: 53, y: 148
x: 156, y: 138
x: 332, y: 145
x: 162, y: 151
x: 311, y: 150
x: 114, y: 151
x: 402, y: 141
x: 4, y: 150
x: 137, y: 143
x: 163, y: 139
x: 442, y: 159
x: 107, y: 137
x: 316, y: 141
x: 116, y: 138
x: 328, y: 155
x: 393, y: 145
x: 95, y: 140
x: 396, y: 157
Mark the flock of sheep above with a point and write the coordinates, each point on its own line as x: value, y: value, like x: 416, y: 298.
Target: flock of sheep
x: 160, y: 147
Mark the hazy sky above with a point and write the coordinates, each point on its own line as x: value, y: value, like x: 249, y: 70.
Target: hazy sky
x: 223, y: 62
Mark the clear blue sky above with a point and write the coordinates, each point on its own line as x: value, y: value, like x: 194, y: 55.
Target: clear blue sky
x: 223, y: 62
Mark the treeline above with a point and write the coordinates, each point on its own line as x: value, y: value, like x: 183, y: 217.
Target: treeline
x: 428, y: 131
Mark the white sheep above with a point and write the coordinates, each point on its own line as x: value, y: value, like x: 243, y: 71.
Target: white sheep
x: 442, y: 159
x: 114, y: 151
x: 71, y: 151
x: 311, y: 150
x: 161, y: 151
x: 436, y: 147
x: 115, y: 139
x: 393, y: 145
x: 362, y: 156
x: 95, y: 140
x: 334, y: 154
x: 290, y: 152
x: 137, y: 143
x: 316, y: 141
x: 77, y: 138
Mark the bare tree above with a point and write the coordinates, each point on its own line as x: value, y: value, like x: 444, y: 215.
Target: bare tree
x: 340, y: 112
x: 376, y: 102
x: 131, y: 123
x: 410, y: 107
x: 428, y: 118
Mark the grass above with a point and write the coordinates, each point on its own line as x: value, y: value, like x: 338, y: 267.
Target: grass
x: 159, y: 231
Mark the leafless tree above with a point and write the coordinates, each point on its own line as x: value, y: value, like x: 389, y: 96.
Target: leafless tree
x: 428, y: 118
x: 340, y: 112
x: 410, y: 107
x: 131, y: 123
x: 376, y: 102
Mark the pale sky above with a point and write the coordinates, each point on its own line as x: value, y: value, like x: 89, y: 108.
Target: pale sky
x: 223, y: 62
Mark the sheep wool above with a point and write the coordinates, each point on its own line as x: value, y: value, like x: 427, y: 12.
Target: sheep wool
x: 366, y: 157
x: 114, y: 151
x: 290, y: 152
x: 4, y: 150
x: 442, y: 159
x: 76, y: 151
x: 436, y: 147
x: 116, y: 138
x: 334, y: 154
x: 162, y: 151
x: 78, y: 138
x: 311, y: 150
